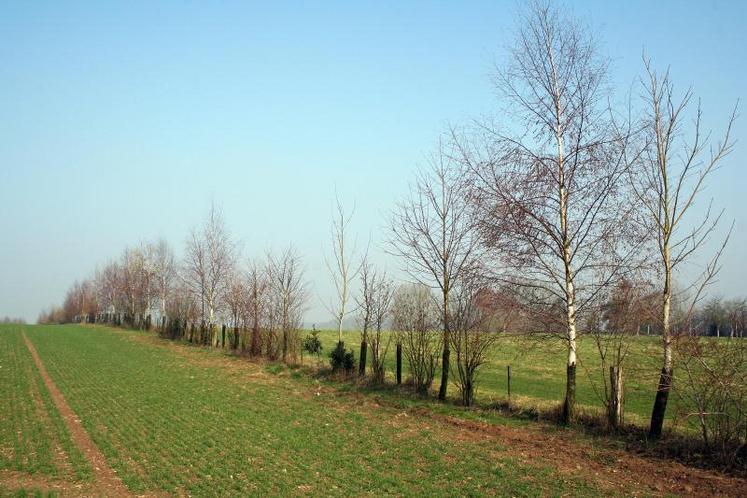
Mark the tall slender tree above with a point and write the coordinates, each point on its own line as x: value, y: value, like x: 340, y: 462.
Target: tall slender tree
x: 342, y: 266
x: 672, y: 176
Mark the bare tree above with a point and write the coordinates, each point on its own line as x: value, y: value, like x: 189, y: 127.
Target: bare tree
x: 383, y: 293
x: 237, y: 302
x: 373, y: 305
x: 548, y: 195
x: 182, y: 309
x: 134, y: 285
x: 365, y: 310
x: 257, y: 306
x: 341, y: 266
x: 164, y: 269
x: 432, y: 232
x: 107, y: 288
x: 671, y: 176
x: 290, y: 294
x: 736, y: 310
x: 209, y: 260
x: 470, y: 337
x: 415, y: 319
x: 80, y: 303
x: 713, y: 386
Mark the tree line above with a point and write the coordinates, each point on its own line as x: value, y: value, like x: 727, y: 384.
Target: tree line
x: 569, y: 212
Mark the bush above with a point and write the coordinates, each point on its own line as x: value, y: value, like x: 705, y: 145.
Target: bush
x: 312, y: 344
x: 713, y: 386
x: 341, y: 359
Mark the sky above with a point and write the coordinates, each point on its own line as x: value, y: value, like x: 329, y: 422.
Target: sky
x: 122, y: 122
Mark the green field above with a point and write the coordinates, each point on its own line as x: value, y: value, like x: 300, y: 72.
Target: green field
x: 538, y: 372
x: 33, y: 437
x: 179, y: 420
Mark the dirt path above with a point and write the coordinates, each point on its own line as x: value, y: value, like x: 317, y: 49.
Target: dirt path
x: 107, y: 483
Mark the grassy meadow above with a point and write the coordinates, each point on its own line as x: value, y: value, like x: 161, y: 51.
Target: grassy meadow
x: 538, y: 372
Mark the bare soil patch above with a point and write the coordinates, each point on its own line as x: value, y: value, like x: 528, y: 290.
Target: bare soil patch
x: 616, y: 470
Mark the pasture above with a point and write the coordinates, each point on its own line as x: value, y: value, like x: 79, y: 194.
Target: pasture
x: 172, y: 419
x: 538, y: 372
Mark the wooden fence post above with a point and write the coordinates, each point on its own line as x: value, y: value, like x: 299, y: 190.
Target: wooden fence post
x: 399, y: 363
x: 508, y: 378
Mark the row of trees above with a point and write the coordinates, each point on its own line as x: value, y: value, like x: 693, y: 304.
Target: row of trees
x: 566, y: 214
x: 722, y: 318
x: 141, y: 282
x: 572, y: 202
x: 196, y: 297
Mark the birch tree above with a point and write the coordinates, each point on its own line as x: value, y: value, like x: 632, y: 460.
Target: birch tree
x: 671, y: 178
x: 546, y: 185
x: 209, y: 260
x: 164, y: 269
x: 341, y: 266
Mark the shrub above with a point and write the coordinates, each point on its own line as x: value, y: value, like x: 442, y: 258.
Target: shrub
x: 341, y: 359
x: 312, y: 344
x: 713, y: 385
x: 415, y: 319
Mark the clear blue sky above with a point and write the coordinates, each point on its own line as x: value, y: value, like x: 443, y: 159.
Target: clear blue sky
x: 122, y: 122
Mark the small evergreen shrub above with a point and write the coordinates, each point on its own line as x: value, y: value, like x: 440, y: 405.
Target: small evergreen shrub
x: 312, y: 344
x: 341, y: 359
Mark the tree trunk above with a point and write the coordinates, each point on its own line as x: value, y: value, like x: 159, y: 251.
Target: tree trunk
x: 665, y: 380
x: 615, y: 408
x: 469, y: 393
x: 447, y: 351
x: 285, y: 344
x: 569, y: 404
x: 660, y: 404
x: 508, y: 383
x: 399, y: 363
x: 256, y: 348
x: 362, y: 361
x: 444, y: 370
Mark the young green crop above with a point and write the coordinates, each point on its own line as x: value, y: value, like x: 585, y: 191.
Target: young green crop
x: 179, y: 420
x: 33, y: 436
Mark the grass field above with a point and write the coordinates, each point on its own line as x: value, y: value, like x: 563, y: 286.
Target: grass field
x: 178, y: 420
x: 538, y: 372
x: 33, y: 437
x: 172, y: 422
